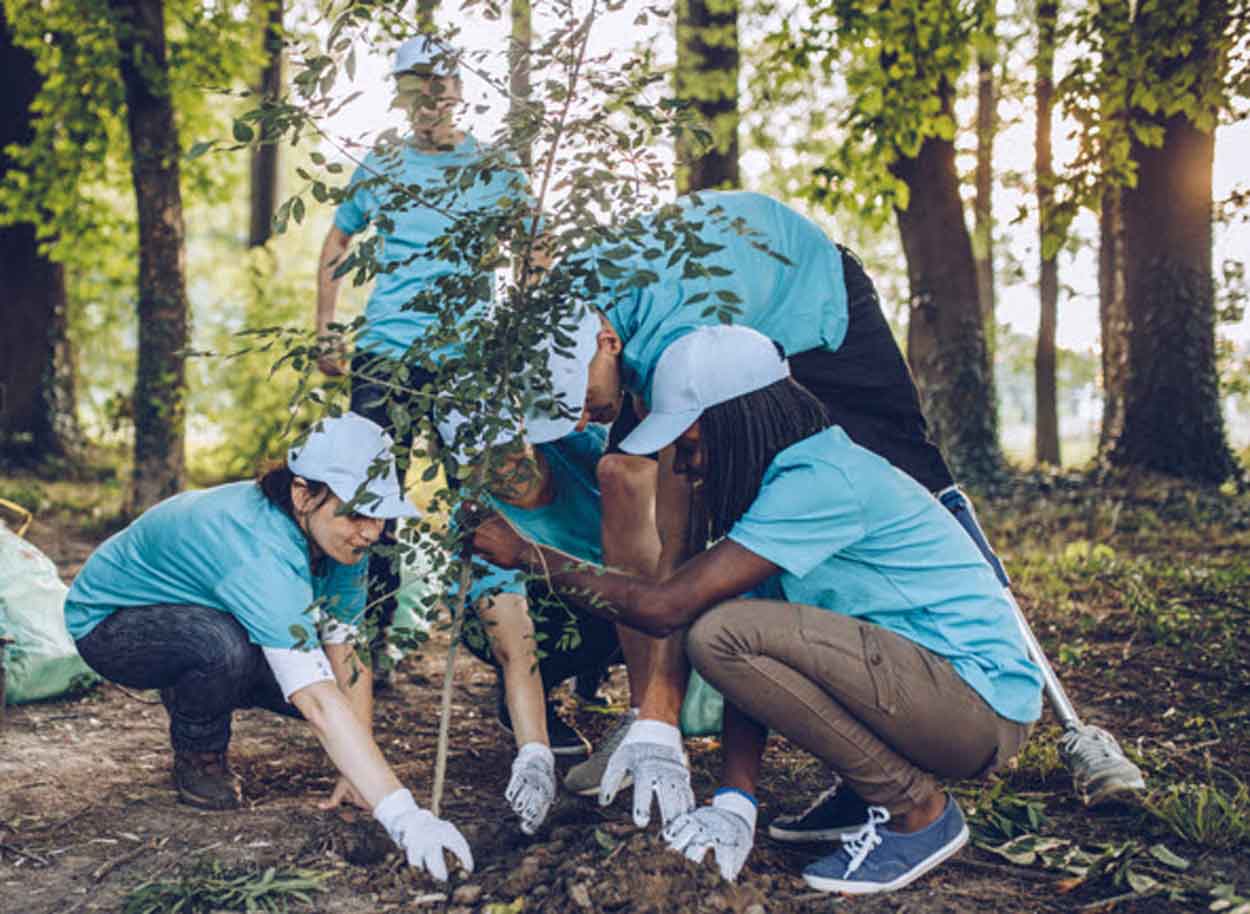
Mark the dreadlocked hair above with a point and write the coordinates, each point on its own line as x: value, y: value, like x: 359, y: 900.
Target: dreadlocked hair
x: 740, y: 439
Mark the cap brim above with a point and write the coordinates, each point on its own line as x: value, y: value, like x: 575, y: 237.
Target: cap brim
x: 658, y: 431
x: 541, y: 429
x: 388, y: 506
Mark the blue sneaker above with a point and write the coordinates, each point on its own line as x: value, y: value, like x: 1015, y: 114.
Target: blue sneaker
x: 837, y: 813
x: 880, y: 860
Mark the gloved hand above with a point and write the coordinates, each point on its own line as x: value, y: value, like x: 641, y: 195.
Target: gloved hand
x: 533, y: 785
x: 422, y: 835
x: 727, y: 827
x: 651, y: 753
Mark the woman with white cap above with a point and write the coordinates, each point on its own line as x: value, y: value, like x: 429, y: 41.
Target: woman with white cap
x: 247, y: 595
x: 874, y: 635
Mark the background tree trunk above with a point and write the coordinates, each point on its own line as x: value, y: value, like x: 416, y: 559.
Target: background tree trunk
x: 1046, y: 428
x: 265, y: 159
x: 37, y: 415
x: 983, y: 202
x: 1172, y: 418
x: 519, y: 69
x: 160, y: 384
x: 1112, y: 317
x: 946, y: 336
x: 425, y: 16
x: 707, y: 77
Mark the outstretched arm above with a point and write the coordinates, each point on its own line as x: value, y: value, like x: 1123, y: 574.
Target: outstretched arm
x: 658, y: 608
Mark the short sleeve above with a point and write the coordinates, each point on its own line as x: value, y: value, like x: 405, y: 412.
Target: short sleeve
x: 343, y: 591
x: 272, y: 602
x: 295, y: 670
x: 805, y: 512
x: 353, y: 214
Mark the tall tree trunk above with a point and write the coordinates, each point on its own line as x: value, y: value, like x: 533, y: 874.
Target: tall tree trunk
x: 945, y: 335
x: 1112, y: 317
x: 160, y: 384
x: 265, y: 158
x: 1172, y: 418
x: 1046, y: 428
x: 425, y: 16
x: 37, y: 416
x: 519, y: 71
x: 707, y: 77
x: 983, y: 202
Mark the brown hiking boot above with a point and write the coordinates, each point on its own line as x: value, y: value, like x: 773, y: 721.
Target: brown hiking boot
x: 205, y: 781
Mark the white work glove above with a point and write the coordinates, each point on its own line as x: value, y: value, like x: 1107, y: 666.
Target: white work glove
x: 727, y: 827
x: 651, y: 754
x: 422, y: 835
x: 533, y: 785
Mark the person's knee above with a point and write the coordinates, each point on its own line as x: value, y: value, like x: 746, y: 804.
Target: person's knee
x: 717, y: 637
x: 626, y: 480
x: 509, y: 628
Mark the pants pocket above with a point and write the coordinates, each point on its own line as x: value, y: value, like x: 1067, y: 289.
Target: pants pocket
x: 880, y: 669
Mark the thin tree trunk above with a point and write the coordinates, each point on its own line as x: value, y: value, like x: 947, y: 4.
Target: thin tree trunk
x: 946, y: 336
x: 265, y: 158
x: 37, y: 406
x: 519, y: 71
x: 1112, y: 316
x: 160, y: 384
x: 983, y: 203
x: 707, y: 77
x: 1046, y: 429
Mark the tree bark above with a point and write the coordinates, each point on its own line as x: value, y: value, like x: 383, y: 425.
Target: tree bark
x: 707, y: 77
x: 519, y: 88
x: 37, y: 405
x: 1112, y: 317
x: 1046, y: 427
x: 946, y: 336
x: 1172, y: 418
x: 265, y: 158
x: 983, y: 202
x: 160, y: 384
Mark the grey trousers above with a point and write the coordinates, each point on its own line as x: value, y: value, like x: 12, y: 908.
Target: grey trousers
x: 887, y: 715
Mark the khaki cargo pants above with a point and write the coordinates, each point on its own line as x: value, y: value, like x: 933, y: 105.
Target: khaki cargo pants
x: 887, y: 715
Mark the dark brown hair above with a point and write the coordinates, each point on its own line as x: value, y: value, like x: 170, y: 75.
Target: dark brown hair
x: 275, y: 481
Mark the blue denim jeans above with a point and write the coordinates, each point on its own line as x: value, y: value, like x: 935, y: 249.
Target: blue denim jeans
x: 202, y: 661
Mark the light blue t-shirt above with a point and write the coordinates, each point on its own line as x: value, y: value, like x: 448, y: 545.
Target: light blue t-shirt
x: 225, y: 548
x: 406, y: 244
x: 570, y: 521
x: 801, y: 304
x: 855, y: 535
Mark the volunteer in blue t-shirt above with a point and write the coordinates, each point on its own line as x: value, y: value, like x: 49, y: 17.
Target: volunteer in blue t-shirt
x: 412, y: 193
x: 248, y: 595
x: 558, y: 507
x: 874, y: 635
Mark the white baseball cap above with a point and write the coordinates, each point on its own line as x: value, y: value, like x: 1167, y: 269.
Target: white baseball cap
x: 426, y: 51
x: 340, y: 451
x: 569, y: 363
x: 708, y: 366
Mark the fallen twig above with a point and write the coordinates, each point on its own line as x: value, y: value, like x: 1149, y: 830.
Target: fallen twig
x: 107, y: 867
x: 17, y: 851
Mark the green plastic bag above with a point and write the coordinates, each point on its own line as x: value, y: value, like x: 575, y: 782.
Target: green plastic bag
x: 41, y: 662
x: 703, y: 710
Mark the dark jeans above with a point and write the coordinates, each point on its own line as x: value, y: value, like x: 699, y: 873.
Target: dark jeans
x: 200, y: 659
x: 372, y: 401
x: 865, y: 386
x: 597, y: 648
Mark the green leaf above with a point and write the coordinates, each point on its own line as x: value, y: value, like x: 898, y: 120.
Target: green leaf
x: 242, y: 132
x: 198, y: 149
x: 1161, y: 853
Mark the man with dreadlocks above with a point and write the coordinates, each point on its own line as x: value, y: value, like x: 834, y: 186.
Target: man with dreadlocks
x: 657, y: 279
x: 876, y: 637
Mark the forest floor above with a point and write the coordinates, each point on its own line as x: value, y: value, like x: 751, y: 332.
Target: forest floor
x: 1140, y: 592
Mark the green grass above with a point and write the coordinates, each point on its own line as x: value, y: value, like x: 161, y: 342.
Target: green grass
x: 212, y: 886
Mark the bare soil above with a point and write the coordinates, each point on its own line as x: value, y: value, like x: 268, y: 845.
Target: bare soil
x: 87, y: 811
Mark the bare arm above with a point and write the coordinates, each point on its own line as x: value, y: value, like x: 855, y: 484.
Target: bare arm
x: 333, y: 249
x: 355, y: 679
x: 658, y: 608
x: 346, y: 740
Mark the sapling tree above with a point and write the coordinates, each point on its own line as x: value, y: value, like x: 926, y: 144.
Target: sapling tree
x: 585, y: 154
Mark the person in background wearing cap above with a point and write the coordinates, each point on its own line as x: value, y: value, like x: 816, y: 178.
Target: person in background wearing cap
x: 428, y: 90
x: 874, y: 635
x: 247, y: 595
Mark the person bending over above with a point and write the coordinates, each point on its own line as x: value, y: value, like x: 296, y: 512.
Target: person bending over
x: 841, y: 605
x: 246, y: 595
